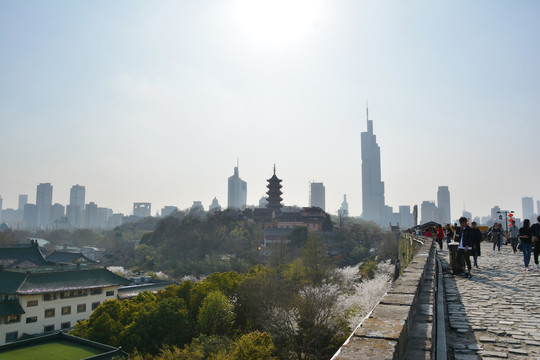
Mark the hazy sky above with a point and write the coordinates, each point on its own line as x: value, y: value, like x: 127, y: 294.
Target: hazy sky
x: 155, y: 100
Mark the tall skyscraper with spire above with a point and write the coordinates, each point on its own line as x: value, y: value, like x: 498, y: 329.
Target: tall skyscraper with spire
x: 372, y: 186
x: 237, y: 191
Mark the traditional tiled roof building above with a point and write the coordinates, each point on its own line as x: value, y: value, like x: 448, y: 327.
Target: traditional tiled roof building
x: 274, y: 194
x: 22, y: 256
x: 48, y: 298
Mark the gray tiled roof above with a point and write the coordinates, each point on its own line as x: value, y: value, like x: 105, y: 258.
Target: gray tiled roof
x: 68, y: 257
x: 10, y: 308
x: 21, y: 256
x: 56, y: 278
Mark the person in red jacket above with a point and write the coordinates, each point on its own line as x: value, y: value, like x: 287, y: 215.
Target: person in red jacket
x: 440, y: 236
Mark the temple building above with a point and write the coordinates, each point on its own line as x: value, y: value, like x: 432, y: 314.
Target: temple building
x: 274, y: 193
x: 278, y: 224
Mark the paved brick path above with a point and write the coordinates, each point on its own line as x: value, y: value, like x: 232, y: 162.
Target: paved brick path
x: 496, y: 313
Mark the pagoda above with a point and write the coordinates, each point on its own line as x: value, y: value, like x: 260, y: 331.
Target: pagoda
x: 274, y: 193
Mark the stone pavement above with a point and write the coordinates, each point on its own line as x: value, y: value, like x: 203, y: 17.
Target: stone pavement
x: 496, y: 313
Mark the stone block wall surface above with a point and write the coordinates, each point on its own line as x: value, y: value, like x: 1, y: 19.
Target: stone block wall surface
x: 385, y: 333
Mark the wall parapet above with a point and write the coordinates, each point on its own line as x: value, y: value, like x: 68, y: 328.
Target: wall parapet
x: 384, y: 333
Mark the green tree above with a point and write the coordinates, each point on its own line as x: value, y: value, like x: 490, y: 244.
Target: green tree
x: 368, y: 269
x: 216, y: 315
x: 254, y: 346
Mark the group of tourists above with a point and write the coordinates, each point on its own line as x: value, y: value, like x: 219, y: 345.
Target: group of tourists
x: 526, y: 239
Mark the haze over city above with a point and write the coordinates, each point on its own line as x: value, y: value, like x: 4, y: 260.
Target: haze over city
x: 155, y: 101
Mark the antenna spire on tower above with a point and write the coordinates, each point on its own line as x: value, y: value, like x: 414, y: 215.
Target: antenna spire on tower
x: 367, y: 111
x: 274, y: 168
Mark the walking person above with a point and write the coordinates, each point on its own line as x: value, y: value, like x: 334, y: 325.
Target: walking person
x: 476, y: 236
x: 496, y: 236
x: 535, y: 228
x: 449, y: 235
x: 465, y: 244
x: 514, y: 232
x: 440, y: 236
x: 525, y: 235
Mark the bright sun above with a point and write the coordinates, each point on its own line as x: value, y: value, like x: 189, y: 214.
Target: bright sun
x: 277, y: 22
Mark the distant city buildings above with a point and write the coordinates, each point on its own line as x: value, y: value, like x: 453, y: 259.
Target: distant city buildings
x: 527, y: 205
x: 237, y: 191
x: 75, y: 209
x: 214, y: 206
x: 44, y: 194
x: 317, y: 195
x: 428, y: 211
x: 406, y: 220
x: 443, y: 204
x: 168, y: 210
x: 344, y: 209
x: 197, y: 206
x: 142, y: 209
x: 263, y: 202
x: 372, y: 187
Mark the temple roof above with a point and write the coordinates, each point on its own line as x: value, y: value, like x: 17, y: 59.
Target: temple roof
x: 22, y: 257
x: 68, y: 257
x: 47, y: 279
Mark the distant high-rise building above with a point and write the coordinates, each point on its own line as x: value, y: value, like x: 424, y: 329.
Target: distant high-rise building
x: 317, y: 195
x: 527, y: 207
x: 467, y: 214
x: 91, y: 216
x: 1, y: 204
x: 57, y: 212
x: 428, y: 211
x: 44, y: 203
x: 102, y: 217
x: 197, y: 207
x: 344, y: 209
x: 237, y: 191
x: 263, y: 202
x: 405, y: 217
x: 538, y: 207
x: 23, y: 200
x: 168, y: 210
x: 75, y: 209
x: 116, y: 220
x: 30, y: 215
x: 443, y: 203
x: 214, y: 206
x: 142, y: 209
x: 494, y: 212
x: 274, y: 193
x: 415, y: 215
x: 372, y: 187
x: 77, y: 195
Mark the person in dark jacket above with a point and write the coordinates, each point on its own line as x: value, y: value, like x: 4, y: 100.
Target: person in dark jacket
x: 525, y: 235
x: 476, y: 235
x: 465, y: 247
x: 535, y: 228
x: 496, y: 236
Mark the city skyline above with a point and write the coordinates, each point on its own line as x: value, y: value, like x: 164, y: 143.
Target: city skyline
x: 153, y: 102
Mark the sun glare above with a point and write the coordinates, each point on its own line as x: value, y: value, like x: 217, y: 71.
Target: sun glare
x: 277, y: 22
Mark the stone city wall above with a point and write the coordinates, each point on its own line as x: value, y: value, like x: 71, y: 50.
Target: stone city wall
x: 385, y: 332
